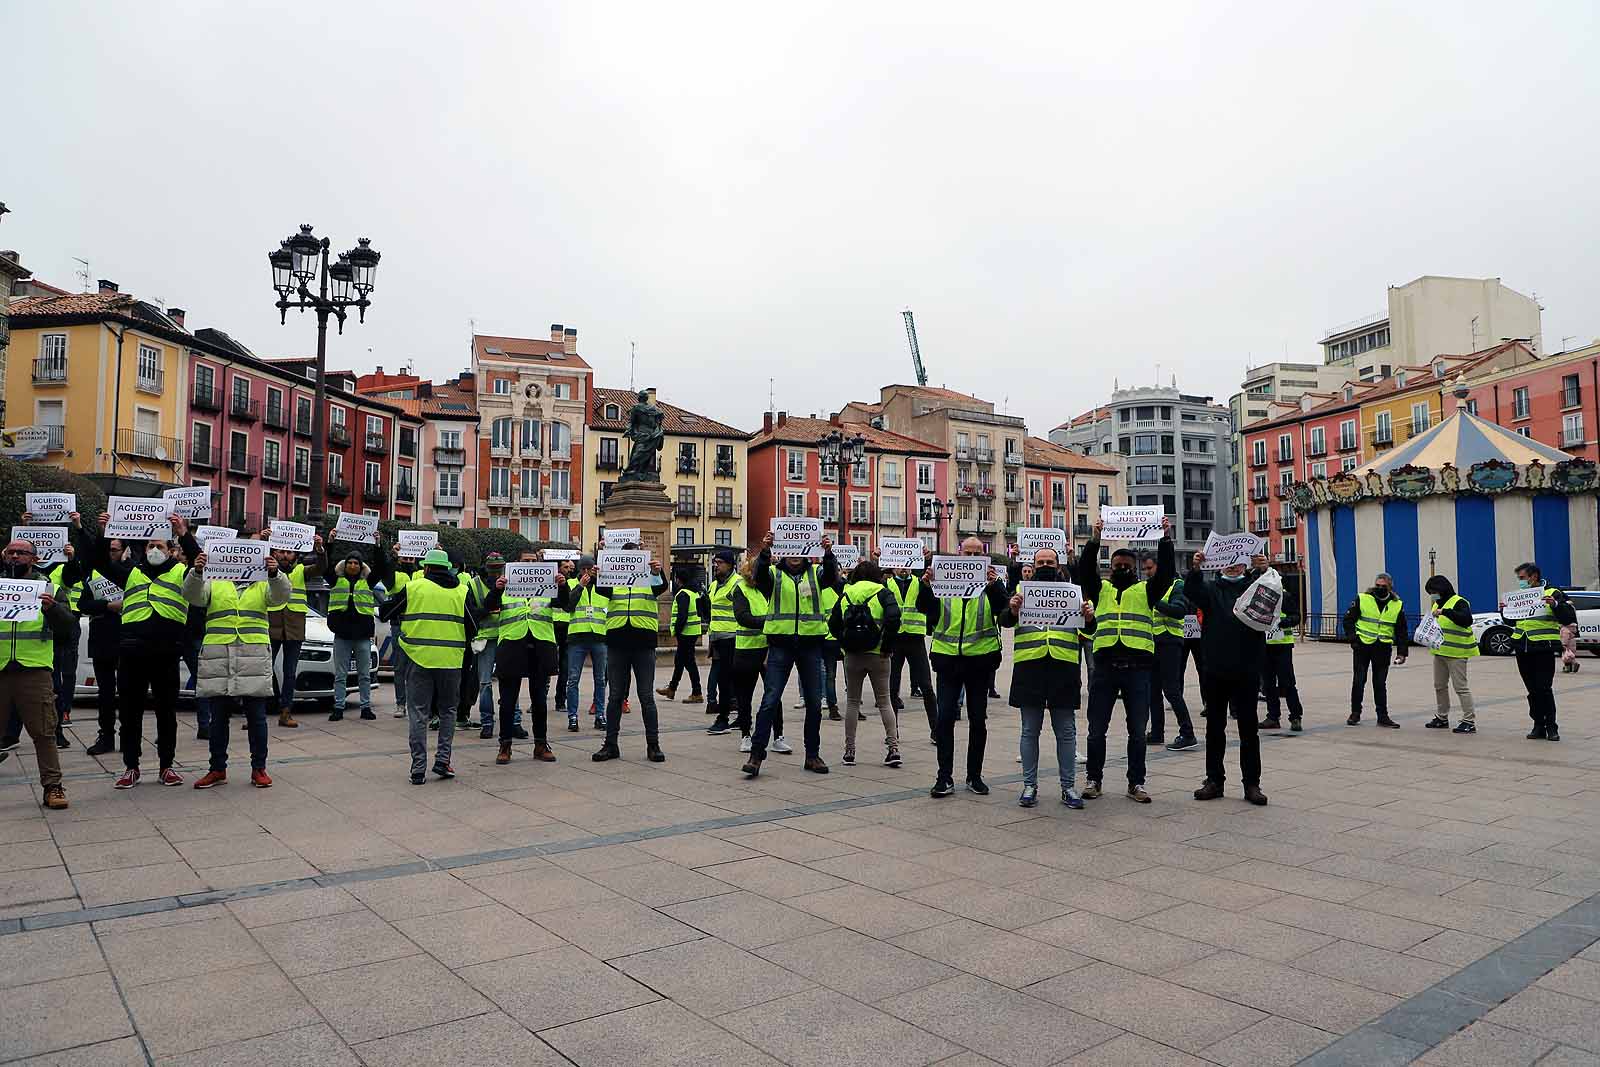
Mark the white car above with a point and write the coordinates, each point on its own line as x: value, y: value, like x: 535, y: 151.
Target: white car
x: 1495, y: 638
x: 313, y: 676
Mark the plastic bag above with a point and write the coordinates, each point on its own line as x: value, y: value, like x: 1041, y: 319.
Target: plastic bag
x: 1429, y: 633
x: 1258, y: 607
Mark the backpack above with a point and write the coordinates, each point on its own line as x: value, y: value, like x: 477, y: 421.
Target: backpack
x: 861, y: 632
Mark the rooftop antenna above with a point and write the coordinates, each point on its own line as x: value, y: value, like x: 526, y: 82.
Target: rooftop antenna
x: 633, y: 356
x: 83, y: 272
x: 770, y: 404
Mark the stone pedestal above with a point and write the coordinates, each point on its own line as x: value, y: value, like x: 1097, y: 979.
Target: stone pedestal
x: 647, y: 506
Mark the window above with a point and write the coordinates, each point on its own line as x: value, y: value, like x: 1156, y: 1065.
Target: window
x: 560, y: 439
x: 860, y: 510
x: 500, y: 434
x: 1572, y: 428
x: 500, y: 386
x: 1520, y: 409
x: 724, y: 501
x: 1571, y: 395
x: 205, y: 378
x: 272, y: 455
x: 889, y: 471
x: 528, y: 484
x: 1472, y: 406
x: 1105, y: 494
x: 613, y: 413
x: 858, y: 473
x: 149, y: 364
x: 449, y: 438
x: 238, y: 449
x: 722, y: 538
x: 336, y: 417
x: 405, y: 480
x: 1286, y: 478
x: 499, y: 522
x: 532, y: 437
x: 53, y: 357
x: 1145, y: 444
x: 302, y: 464
x: 302, y: 414
x: 241, y: 394
x: 561, y: 529
x: 1258, y: 490
x: 1383, y: 429
x: 374, y: 476
x: 1347, y: 434
x: 794, y: 505
x: 725, y: 460
x: 686, y: 535
x: 500, y: 482
x: 1421, y: 417
x: 889, y: 511
x: 1319, y: 470
x: 374, y: 425
x: 795, y: 465
x: 563, y: 391
x: 828, y: 508
x: 236, y: 504
x: 1144, y: 475
x: 685, y: 496
x: 1258, y: 452
x: 1525, y: 431
x: 269, y: 507
x: 860, y: 541
x: 962, y: 441
x: 408, y: 441
x: 1290, y: 551
x: 335, y: 467
x: 302, y: 505
x: 924, y: 475
x: 1347, y: 464
x: 1285, y: 448
x: 1261, y: 518
x: 560, y: 486
x: 610, y: 458
x: 1319, y: 441
x: 449, y: 483
x: 201, y: 450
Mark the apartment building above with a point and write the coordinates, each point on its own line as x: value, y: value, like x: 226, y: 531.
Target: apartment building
x: 12, y: 273
x: 1065, y: 490
x: 446, y: 480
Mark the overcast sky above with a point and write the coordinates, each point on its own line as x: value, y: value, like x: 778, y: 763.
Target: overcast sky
x: 1065, y: 194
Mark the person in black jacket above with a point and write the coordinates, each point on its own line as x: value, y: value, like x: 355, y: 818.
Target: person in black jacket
x: 1233, y: 673
x: 1373, y: 648
x: 1537, y: 648
x: 105, y: 641
x: 1167, y: 612
x: 691, y: 611
x: 910, y: 650
x: 1277, y: 672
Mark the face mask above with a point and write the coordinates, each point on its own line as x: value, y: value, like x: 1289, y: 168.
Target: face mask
x: 1523, y: 583
x: 1437, y: 598
x: 1231, y: 577
x: 155, y: 556
x: 1122, y: 572
x: 1382, y: 591
x: 1044, y: 574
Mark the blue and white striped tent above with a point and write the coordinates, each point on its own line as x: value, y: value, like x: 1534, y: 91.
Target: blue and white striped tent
x: 1477, y: 537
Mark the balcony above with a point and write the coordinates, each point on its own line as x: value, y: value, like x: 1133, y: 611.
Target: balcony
x: 1260, y: 495
x: 968, y: 524
x: 500, y: 449
x: 963, y: 455
x: 151, y: 380
x: 890, y: 481
x: 985, y: 492
x: 302, y: 474
x: 244, y: 409
x: 983, y: 455
x: 448, y: 500
x: 1572, y: 437
x: 604, y: 462
x: 861, y: 518
x: 1348, y: 444
x: 408, y: 445
x: 302, y: 425
x: 277, y: 416
x: 1420, y: 426
x: 1261, y: 526
x: 1037, y: 501
x: 987, y: 526
x: 149, y: 445
x: 1314, y: 449
x: 927, y: 522
x: 243, y: 520
x: 966, y: 490
x: 1082, y: 530
x: 51, y: 370
x: 205, y: 398
x: 891, y: 518
x: 338, y: 486
x: 1287, y: 522
x: 726, y: 468
x: 372, y: 493
x: 684, y: 509
x: 244, y: 463
x: 274, y: 470
x: 339, y: 436
x: 1381, y: 438
x: 205, y: 455
x: 688, y: 465
x: 500, y: 499
x: 1285, y: 457
x: 377, y: 444
x: 449, y: 457
x: 1013, y: 496
x: 1282, y: 491
x: 1258, y: 462
x: 406, y: 494
x: 1013, y: 459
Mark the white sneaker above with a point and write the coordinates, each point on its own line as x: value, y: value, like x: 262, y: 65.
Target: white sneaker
x: 744, y: 743
x: 1082, y: 758
x: 1019, y: 759
x: 780, y: 746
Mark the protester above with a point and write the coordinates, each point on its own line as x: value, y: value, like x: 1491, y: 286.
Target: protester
x: 288, y: 622
x: 481, y: 584
x: 632, y: 625
x: 1277, y: 673
x: 1124, y: 649
x: 690, y: 612
x: 917, y: 605
x: 562, y: 619
x: 1453, y: 613
x: 796, y: 631
x: 864, y: 621
x: 1234, y: 653
x: 1376, y: 625
x: 1167, y: 614
x: 105, y: 640
x: 352, y: 617
x: 1045, y: 677
x: 26, y: 691
x: 723, y: 627
x: 527, y: 649
x: 586, y: 639
x: 750, y: 609
x: 830, y: 654
x: 1538, y: 645
x: 68, y: 576
x: 966, y: 649
x: 235, y: 671
x: 403, y: 570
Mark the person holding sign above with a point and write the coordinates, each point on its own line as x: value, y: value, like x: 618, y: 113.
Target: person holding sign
x: 1234, y: 653
x: 1167, y: 614
x: 1124, y: 651
x: 966, y: 650
x: 723, y: 628
x: 586, y: 639
x: 26, y: 659
x: 1538, y: 645
x: 1376, y: 625
x: 1046, y: 677
x: 352, y: 617
x: 917, y: 605
x: 67, y: 573
x: 154, y: 618
x: 1453, y: 615
x: 482, y: 583
x: 632, y: 625
x: 749, y: 663
x: 690, y: 612
x: 289, y: 620
x: 796, y: 630
x: 526, y: 639
x: 102, y: 605
x: 235, y: 669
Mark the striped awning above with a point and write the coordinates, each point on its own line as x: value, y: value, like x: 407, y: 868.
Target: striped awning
x: 1464, y: 439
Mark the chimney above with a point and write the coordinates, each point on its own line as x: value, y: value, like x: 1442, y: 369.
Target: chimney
x: 555, y: 331
x: 833, y: 420
x: 766, y: 422
x: 783, y: 417
x: 569, y: 341
x: 176, y: 315
x: 380, y: 366
x: 651, y: 393
x: 108, y: 286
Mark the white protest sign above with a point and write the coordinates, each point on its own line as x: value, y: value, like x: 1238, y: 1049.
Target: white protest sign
x: 619, y: 567
x: 237, y: 561
x: 51, y: 507
x: 900, y: 552
x: 1191, y: 627
x: 49, y: 542
x: 846, y: 556
x: 292, y: 536
x: 1429, y: 634
x: 138, y: 518
x: 960, y: 577
x: 356, y: 529
x: 214, y: 533
x: 558, y: 555
x: 1032, y: 538
x: 414, y: 544
x: 1057, y: 604
x: 1141, y: 522
x: 19, y: 599
x: 1226, y: 550
x: 1522, y: 603
x: 531, y: 579
x: 192, y: 502
x: 105, y: 589
x: 620, y: 537
x: 796, y: 537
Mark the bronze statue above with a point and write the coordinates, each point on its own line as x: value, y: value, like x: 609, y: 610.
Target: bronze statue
x: 645, y: 432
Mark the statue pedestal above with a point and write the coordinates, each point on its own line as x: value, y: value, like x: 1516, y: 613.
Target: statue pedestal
x: 647, y: 506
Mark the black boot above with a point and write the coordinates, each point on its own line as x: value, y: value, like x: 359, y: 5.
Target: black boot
x: 103, y: 744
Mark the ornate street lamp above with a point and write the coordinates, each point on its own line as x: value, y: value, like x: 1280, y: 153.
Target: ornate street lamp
x: 939, y: 511
x: 839, y: 454
x: 296, y: 262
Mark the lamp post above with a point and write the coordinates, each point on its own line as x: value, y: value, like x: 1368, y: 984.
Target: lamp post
x: 939, y: 511
x: 839, y: 453
x: 1433, y: 555
x: 296, y: 262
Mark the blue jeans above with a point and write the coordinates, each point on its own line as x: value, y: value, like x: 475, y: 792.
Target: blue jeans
x: 1064, y: 724
x: 399, y: 661
x: 202, y: 705
x: 344, y: 649
x: 486, y: 686
x: 714, y: 678
x: 595, y: 652
x: 830, y: 671
x: 65, y: 675
x: 255, y: 717
x: 291, y: 667
x: 1131, y: 682
x: 781, y: 660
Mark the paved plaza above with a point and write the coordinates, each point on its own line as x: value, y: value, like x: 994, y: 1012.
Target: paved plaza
x: 1408, y: 895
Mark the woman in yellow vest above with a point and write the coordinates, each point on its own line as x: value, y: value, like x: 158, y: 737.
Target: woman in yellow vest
x: 863, y: 611
x: 690, y: 613
x: 1538, y: 645
x: 1453, y: 613
x: 235, y: 668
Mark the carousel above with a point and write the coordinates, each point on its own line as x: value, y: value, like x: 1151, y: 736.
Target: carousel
x: 1467, y: 499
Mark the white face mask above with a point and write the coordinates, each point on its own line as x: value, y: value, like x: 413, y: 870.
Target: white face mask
x: 155, y: 556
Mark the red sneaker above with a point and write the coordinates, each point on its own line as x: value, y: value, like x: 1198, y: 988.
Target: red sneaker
x: 260, y: 780
x: 170, y: 777
x: 211, y: 778
x: 129, y: 779
x: 626, y: 710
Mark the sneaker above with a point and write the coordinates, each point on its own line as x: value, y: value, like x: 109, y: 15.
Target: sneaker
x: 1537, y: 733
x: 169, y: 776
x: 1271, y: 724
x: 433, y: 722
x: 1071, y: 799
x: 861, y: 716
x: 1137, y: 794
x: 129, y: 779
x: 55, y: 798
x: 400, y: 714
x: 1091, y: 790
x: 606, y: 752
x: 444, y: 770
x: 744, y: 743
x: 1254, y: 795
x: 366, y: 713
x: 978, y: 786
x: 1079, y: 757
x: 61, y: 740
x: 504, y: 755
x: 336, y: 715
x: 653, y: 753
x: 1294, y: 726
x: 834, y: 716
x: 572, y: 723
x: 463, y: 720
x: 1552, y: 734
x: 487, y: 732
x: 211, y: 778
x: 752, y: 767
x: 1154, y: 739
x: 1438, y: 722
x: 520, y: 733
x: 101, y: 746
x: 599, y: 724
x: 1354, y: 719
x: 942, y: 788
x: 1465, y: 728
x: 541, y: 751
x: 201, y: 733
x: 892, y: 759
x: 1388, y: 723
x: 1182, y: 743
x: 260, y: 779
x: 694, y: 698
x: 815, y: 765
x: 418, y: 778
x: 848, y: 759
x: 1029, y: 797
x: 1208, y: 790
x: 781, y: 746
x: 716, y: 729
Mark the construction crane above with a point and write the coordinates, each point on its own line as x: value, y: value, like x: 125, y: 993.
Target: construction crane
x: 916, y: 353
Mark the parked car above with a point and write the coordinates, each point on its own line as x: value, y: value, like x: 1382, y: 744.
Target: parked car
x: 1495, y: 638
x: 313, y: 677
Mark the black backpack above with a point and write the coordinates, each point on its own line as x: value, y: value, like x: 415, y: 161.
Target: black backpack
x: 862, y: 632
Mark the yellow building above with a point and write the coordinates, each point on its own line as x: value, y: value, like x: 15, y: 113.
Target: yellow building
x: 1412, y: 399
x: 103, y: 372
x: 702, y: 466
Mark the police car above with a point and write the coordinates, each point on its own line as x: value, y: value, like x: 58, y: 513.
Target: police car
x: 1495, y: 638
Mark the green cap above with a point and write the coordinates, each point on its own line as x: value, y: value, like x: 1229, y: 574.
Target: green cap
x: 436, y: 558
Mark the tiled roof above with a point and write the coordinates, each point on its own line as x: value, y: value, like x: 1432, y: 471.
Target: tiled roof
x: 529, y: 348
x: 677, y: 420
x: 1037, y: 452
x: 74, y: 304
x: 803, y: 431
